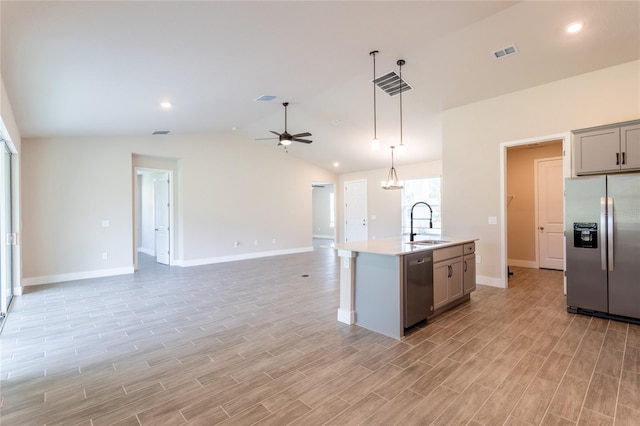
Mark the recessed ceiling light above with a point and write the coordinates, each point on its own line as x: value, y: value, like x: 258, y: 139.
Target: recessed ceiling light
x: 165, y: 104
x: 575, y: 27
x: 336, y: 164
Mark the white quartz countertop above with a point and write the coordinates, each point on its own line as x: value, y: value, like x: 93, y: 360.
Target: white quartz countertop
x: 398, y: 246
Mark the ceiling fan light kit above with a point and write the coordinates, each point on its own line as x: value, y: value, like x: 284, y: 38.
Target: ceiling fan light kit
x: 285, y: 138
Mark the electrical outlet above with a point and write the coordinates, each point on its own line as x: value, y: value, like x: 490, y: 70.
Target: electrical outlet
x: 105, y: 256
x: 255, y: 243
x: 274, y: 241
x: 478, y: 258
x: 236, y: 244
x: 493, y: 220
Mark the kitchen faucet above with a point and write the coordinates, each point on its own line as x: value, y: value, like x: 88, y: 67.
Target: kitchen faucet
x: 413, y: 234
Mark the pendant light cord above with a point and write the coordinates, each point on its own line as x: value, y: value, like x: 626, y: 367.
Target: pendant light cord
x: 400, y: 64
x: 375, y: 124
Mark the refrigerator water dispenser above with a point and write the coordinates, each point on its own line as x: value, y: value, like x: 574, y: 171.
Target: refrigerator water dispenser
x: 585, y: 235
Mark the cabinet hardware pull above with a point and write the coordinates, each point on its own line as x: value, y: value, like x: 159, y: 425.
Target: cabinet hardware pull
x: 465, y: 266
x: 449, y: 271
x: 623, y: 159
x: 617, y: 158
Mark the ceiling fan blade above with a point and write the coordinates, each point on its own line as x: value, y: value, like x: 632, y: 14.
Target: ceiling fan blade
x: 302, y: 140
x: 264, y: 139
x: 275, y: 133
x: 301, y: 135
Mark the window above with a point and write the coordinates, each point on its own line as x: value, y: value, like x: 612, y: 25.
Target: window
x: 427, y: 190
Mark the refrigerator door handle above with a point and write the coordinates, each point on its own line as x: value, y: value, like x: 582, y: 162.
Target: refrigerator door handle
x: 603, y: 226
x: 610, y: 231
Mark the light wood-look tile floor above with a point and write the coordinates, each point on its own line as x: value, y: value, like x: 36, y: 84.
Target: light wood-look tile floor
x: 257, y: 342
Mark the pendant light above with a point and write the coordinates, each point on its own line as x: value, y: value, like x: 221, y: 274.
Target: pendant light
x: 392, y: 181
x: 375, y: 142
x: 401, y: 147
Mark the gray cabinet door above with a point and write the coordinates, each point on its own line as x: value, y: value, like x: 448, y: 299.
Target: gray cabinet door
x: 597, y: 151
x: 454, y: 284
x: 440, y: 278
x: 630, y: 147
x: 469, y: 273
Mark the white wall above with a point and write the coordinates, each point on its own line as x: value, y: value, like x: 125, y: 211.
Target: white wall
x: 472, y: 135
x: 383, y: 206
x: 230, y: 189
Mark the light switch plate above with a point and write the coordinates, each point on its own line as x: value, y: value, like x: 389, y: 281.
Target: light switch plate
x: 493, y: 220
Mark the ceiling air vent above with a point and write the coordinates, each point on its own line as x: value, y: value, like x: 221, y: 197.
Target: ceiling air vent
x: 505, y: 51
x: 265, y: 98
x: 161, y: 132
x: 390, y: 84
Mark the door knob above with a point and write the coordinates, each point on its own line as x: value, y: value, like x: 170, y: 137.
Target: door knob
x: 542, y: 228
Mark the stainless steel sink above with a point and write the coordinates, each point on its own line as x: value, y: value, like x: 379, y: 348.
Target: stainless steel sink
x: 428, y: 242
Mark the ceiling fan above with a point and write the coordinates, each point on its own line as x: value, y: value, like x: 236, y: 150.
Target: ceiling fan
x: 286, y: 138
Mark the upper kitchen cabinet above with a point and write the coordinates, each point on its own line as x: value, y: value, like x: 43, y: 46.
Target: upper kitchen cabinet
x: 612, y: 148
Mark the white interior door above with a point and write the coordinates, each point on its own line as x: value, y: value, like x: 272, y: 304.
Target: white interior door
x: 355, y: 211
x: 550, y: 215
x: 162, y: 208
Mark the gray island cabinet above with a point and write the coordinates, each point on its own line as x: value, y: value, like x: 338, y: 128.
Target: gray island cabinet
x: 390, y: 284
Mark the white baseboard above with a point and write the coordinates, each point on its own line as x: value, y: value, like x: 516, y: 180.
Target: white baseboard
x: 222, y: 259
x: 150, y: 252
x: 346, y: 316
x: 324, y: 237
x: 523, y: 263
x: 50, y: 279
x: 490, y: 281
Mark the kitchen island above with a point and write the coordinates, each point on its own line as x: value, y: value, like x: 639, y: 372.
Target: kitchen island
x: 376, y: 290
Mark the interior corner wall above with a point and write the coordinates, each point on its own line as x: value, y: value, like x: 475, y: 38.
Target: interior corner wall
x: 230, y: 190
x: 473, y: 134
x: 383, y: 207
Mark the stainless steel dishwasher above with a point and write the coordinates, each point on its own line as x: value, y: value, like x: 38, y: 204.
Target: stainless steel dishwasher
x: 418, y: 287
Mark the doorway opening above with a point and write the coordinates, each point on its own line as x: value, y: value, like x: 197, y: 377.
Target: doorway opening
x: 153, y: 234
x: 323, y: 206
x: 520, y: 201
x: 6, y: 229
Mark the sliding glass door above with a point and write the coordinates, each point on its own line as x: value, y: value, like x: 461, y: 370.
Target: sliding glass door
x: 6, y: 233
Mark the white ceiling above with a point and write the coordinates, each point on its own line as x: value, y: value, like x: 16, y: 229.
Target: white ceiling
x: 101, y: 68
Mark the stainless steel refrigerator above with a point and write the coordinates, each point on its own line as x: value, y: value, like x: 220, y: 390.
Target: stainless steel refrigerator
x: 602, y: 224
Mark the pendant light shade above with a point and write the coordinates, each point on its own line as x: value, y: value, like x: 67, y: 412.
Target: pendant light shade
x: 375, y: 142
x: 392, y: 181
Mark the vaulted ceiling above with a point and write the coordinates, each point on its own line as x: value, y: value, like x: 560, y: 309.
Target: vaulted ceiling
x: 84, y: 68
